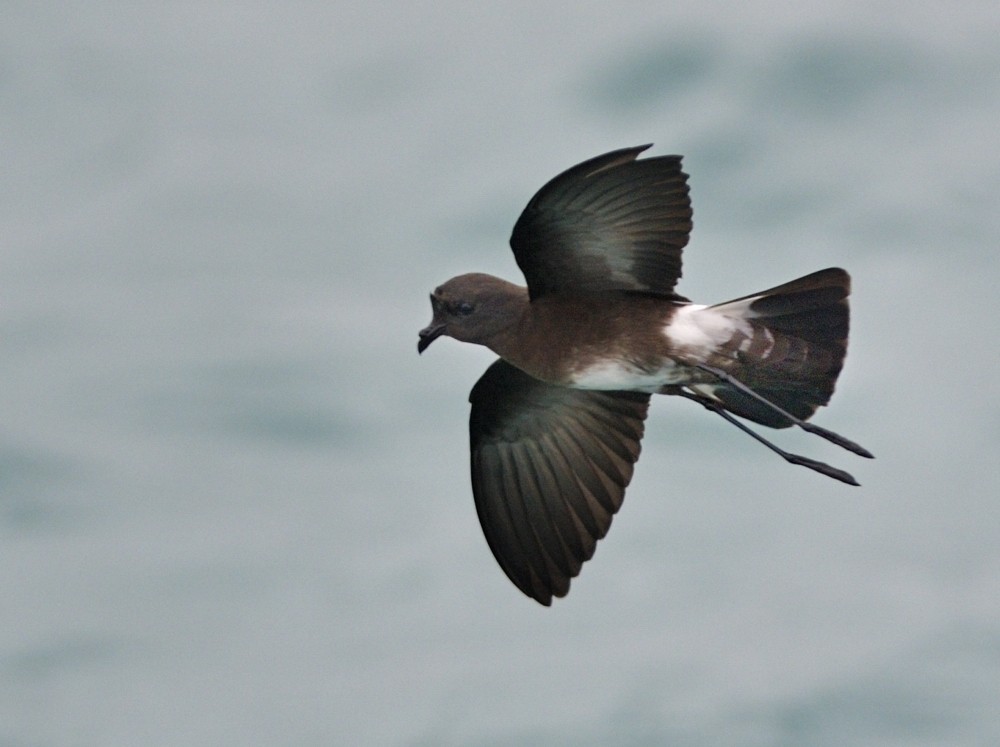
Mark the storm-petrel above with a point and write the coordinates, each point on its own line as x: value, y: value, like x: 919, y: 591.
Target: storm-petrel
x: 556, y: 421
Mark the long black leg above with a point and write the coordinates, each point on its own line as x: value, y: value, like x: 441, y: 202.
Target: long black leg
x: 716, y: 407
x: 808, y: 427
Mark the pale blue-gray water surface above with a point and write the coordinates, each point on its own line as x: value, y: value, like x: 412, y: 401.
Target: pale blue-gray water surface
x: 234, y: 503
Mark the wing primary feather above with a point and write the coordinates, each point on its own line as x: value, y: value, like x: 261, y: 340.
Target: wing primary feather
x: 567, y: 528
x: 532, y: 557
x: 495, y: 519
x: 536, y: 499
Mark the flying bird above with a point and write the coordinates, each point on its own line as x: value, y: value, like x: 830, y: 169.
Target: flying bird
x: 557, y: 420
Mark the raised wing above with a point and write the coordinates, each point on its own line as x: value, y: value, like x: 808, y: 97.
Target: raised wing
x: 612, y: 223
x: 549, y: 470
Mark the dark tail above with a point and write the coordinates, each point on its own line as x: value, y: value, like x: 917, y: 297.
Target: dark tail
x: 794, y: 349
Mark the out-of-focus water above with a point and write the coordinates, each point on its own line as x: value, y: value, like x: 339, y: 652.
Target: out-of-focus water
x: 234, y: 503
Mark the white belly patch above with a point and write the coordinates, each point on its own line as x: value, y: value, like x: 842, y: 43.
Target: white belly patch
x: 615, y: 375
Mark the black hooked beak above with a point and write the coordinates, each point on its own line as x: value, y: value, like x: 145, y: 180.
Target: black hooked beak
x: 428, y: 335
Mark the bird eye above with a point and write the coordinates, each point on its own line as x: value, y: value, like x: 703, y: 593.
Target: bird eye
x: 463, y: 308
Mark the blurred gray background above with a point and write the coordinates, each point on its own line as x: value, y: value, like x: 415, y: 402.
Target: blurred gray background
x: 234, y: 503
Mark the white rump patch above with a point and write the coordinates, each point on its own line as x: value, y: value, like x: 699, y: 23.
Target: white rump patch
x: 696, y: 331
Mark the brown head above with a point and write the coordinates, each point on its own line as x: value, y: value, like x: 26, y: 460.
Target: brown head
x: 473, y: 308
